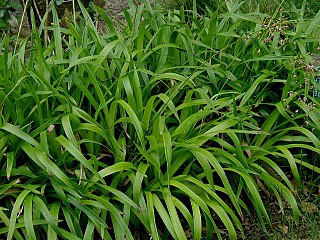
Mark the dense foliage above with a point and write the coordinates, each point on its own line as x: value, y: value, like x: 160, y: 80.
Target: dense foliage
x: 176, y: 125
x: 6, y: 9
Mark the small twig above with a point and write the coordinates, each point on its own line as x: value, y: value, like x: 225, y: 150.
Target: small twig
x: 46, y: 36
x: 74, y: 12
x: 20, y: 26
x: 24, y: 6
x: 37, y: 10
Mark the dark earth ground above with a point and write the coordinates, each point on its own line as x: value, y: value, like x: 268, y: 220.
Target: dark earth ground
x: 113, y: 7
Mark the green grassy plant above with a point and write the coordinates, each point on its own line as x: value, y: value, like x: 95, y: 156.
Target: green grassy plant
x: 310, y: 8
x: 177, y: 123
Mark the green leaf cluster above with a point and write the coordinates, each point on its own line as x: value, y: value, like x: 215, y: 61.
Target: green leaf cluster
x: 175, y: 124
x: 6, y: 8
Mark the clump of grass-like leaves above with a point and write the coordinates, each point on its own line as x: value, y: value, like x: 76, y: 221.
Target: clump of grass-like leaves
x: 177, y: 124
